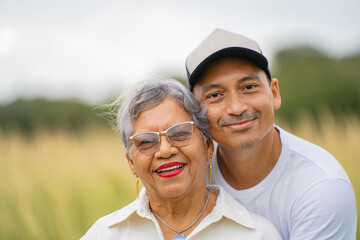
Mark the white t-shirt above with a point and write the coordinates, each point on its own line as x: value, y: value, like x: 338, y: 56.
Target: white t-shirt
x: 228, y: 220
x: 307, y: 195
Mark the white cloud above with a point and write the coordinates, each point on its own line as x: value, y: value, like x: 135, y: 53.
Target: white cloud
x: 87, y: 49
x: 8, y: 40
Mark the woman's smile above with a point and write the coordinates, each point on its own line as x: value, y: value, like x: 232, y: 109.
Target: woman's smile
x: 170, y: 169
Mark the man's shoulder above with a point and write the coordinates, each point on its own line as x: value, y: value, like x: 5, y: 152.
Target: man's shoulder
x: 302, y: 147
x: 303, y: 157
x: 316, y: 190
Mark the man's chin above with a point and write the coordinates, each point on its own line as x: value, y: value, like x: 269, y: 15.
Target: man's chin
x: 248, y: 144
x: 239, y: 145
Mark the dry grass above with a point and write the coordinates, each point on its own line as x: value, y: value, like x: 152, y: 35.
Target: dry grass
x: 55, y: 185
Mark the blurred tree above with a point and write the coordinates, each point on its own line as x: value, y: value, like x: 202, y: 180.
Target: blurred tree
x: 311, y: 81
x: 182, y: 80
x: 27, y: 116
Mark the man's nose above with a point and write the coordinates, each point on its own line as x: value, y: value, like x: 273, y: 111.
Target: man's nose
x: 235, y: 104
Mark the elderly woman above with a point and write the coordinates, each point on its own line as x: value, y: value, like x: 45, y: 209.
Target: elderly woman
x: 167, y: 144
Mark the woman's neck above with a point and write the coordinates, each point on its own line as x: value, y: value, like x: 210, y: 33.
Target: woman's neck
x: 181, y: 213
x: 180, y: 206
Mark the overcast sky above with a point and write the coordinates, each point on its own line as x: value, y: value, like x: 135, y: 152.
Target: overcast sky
x: 89, y: 49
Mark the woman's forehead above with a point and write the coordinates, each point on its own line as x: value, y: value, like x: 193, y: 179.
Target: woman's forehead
x: 161, y: 117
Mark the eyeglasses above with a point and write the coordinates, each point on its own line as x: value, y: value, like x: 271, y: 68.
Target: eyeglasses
x: 178, y: 135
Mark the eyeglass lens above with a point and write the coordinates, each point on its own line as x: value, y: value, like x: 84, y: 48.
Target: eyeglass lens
x: 178, y: 135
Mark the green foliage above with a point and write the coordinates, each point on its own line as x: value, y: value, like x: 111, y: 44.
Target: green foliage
x: 27, y: 116
x: 182, y: 80
x: 310, y: 81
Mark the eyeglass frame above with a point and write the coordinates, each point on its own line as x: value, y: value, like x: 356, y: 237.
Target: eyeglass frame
x: 162, y: 133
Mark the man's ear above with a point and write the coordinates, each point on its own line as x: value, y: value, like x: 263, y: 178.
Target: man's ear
x: 276, y: 93
x: 131, y: 163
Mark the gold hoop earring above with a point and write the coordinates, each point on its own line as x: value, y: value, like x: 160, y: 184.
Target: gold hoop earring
x: 210, y: 167
x: 137, y: 185
x: 210, y: 173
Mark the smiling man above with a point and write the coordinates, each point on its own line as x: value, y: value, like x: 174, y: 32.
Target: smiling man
x: 298, y: 186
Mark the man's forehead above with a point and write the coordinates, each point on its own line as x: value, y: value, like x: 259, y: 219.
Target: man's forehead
x: 231, y: 61
x: 224, y: 67
x: 210, y: 85
x: 214, y: 83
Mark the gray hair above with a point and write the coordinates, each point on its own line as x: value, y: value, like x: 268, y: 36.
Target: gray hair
x: 150, y: 94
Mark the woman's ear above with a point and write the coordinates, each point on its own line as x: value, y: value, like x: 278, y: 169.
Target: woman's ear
x: 131, y: 163
x: 210, y: 148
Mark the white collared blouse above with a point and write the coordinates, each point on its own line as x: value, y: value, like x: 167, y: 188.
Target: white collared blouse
x: 228, y: 220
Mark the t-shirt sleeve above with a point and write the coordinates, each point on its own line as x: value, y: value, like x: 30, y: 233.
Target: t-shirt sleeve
x: 325, y: 211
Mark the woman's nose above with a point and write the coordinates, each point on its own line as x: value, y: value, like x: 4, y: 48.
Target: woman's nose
x: 165, y: 148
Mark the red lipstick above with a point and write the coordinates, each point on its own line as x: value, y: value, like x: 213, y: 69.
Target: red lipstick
x: 170, y: 169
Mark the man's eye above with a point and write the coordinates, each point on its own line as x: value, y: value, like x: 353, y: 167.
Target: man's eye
x: 249, y: 87
x: 213, y: 95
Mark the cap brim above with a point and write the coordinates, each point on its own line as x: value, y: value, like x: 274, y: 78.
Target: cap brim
x: 244, y: 53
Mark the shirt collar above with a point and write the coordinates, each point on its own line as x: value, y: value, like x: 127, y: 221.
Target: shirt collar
x: 230, y: 208
x: 139, y: 206
x: 226, y: 206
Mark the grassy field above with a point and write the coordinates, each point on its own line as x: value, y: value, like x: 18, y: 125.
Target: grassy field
x: 55, y: 185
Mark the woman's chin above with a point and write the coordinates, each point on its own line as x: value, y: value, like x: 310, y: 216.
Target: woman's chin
x: 172, y: 191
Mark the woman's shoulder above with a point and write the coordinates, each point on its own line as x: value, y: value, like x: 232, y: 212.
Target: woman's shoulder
x: 110, y: 220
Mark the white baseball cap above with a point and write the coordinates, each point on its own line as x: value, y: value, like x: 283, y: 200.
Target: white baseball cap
x: 220, y: 44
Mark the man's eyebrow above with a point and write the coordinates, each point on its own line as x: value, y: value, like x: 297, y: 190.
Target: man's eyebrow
x: 249, y: 77
x: 210, y: 86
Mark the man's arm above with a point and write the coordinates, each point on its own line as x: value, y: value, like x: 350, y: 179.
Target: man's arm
x: 326, y: 211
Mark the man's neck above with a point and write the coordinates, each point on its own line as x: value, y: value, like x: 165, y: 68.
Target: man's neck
x: 244, y: 169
